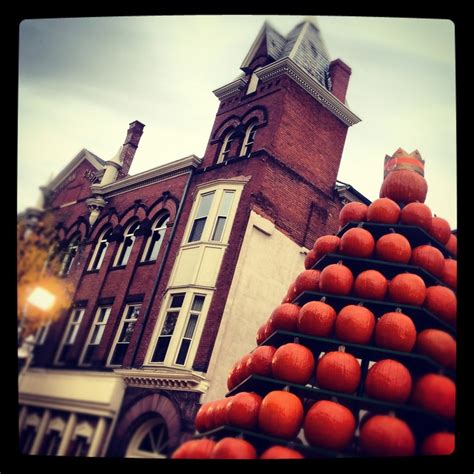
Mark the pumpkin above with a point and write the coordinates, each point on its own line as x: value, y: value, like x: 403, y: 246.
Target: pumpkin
x: 209, y: 422
x: 383, y: 210
x: 371, y: 284
x: 436, y: 394
x: 440, y: 229
x: 326, y: 244
x: 284, y: 317
x: 336, y: 279
x: 388, y: 380
x: 310, y: 259
x: 384, y: 435
x: 417, y: 213
x: 442, y: 302
x: 450, y: 273
x: 404, y: 187
x: 263, y: 332
x: 307, y: 280
x: 438, y: 345
x: 281, y: 414
x: 290, y: 294
x: 260, y: 361
x: 438, y: 444
x: 452, y: 245
x: 281, y: 452
x: 220, y: 412
x: 201, y: 418
x: 329, y: 425
x: 316, y: 319
x: 353, y: 212
x: 232, y: 448
x: 242, y: 410
x: 357, y: 242
x: 395, y: 331
x: 338, y: 371
x: 393, y: 248
x: 195, y: 449
x: 407, y: 288
x: 241, y: 371
x: 429, y: 258
x: 293, y: 363
x: 355, y: 324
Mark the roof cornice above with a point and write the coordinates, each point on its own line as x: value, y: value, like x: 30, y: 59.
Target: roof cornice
x: 230, y: 89
x: 155, y: 174
x: 314, y: 88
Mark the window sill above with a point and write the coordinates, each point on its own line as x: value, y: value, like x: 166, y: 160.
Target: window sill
x: 92, y: 272
x: 119, y: 267
x: 148, y: 262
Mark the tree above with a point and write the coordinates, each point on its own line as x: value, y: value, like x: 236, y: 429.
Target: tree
x: 39, y: 261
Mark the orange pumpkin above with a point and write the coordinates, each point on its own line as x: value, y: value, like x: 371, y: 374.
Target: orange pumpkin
x: 260, y: 361
x: 416, y: 213
x: 326, y: 244
x: 429, y: 258
x: 404, y: 186
x: 442, y: 302
x: 388, y: 380
x: 329, y: 425
x: 201, y: 420
x: 281, y: 414
x: 209, y: 422
x: 336, y: 279
x: 407, y: 288
x: 393, y: 248
x: 355, y: 324
x: 220, y: 412
x: 281, y: 452
x: 338, y: 371
x: 310, y: 259
x: 307, y: 280
x: 437, y: 394
x: 371, y: 284
x: 438, y: 345
x: 450, y: 273
x: 263, y: 332
x: 440, y: 229
x: 384, y: 435
x: 195, y: 449
x: 241, y: 371
x: 395, y: 331
x: 452, y: 245
x: 290, y: 294
x: 383, y: 210
x: 316, y: 319
x: 438, y: 444
x: 357, y: 242
x: 232, y: 448
x: 293, y: 363
x: 284, y: 317
x: 353, y: 212
x: 242, y: 410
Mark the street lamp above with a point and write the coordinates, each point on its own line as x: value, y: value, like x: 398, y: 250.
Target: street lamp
x: 44, y: 300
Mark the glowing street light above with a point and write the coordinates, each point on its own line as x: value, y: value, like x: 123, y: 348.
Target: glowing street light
x: 41, y: 298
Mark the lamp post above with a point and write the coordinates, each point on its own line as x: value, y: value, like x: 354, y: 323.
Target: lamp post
x: 44, y: 300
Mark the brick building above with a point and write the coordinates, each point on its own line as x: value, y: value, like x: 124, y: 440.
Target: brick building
x: 175, y: 268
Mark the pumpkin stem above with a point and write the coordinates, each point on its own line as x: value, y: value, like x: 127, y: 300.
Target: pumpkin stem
x: 360, y: 224
x: 391, y: 413
x: 323, y: 299
x: 360, y: 303
x: 341, y: 349
x: 392, y: 230
x: 398, y: 310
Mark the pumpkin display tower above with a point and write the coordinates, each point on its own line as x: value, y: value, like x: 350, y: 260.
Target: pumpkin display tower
x: 359, y: 358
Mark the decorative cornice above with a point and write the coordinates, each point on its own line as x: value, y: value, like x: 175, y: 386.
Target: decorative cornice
x: 230, y: 89
x: 310, y: 85
x: 164, y: 378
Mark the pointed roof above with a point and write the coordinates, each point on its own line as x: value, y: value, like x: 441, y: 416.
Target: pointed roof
x: 303, y: 44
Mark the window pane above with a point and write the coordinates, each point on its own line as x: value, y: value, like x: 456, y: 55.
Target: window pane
x: 170, y: 323
x: 119, y: 354
x: 204, y: 205
x: 127, y: 332
x: 197, y: 303
x: 155, y: 244
x: 161, y: 349
x: 191, y: 326
x: 99, y: 258
x: 126, y: 250
x: 76, y: 316
x: 90, y: 351
x: 196, y: 231
x: 97, y: 334
x: 177, y: 300
x: 220, y: 224
x: 132, y: 312
x: 183, y: 351
x: 226, y: 203
x: 103, y: 316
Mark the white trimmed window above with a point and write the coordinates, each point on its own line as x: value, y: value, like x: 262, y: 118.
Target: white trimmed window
x: 70, y: 255
x: 253, y: 83
x: 227, y: 198
x: 249, y: 139
x: 100, y: 250
x: 153, y: 244
x: 200, y: 218
x: 124, y: 335
x: 95, y: 335
x: 70, y: 335
x: 42, y: 333
x: 177, y: 337
x: 150, y: 440
x: 226, y: 146
x: 125, y: 248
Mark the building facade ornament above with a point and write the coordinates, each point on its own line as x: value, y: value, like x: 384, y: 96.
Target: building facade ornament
x: 95, y: 206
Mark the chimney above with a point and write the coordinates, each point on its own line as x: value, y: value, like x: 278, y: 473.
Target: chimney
x: 134, y: 133
x: 340, y: 73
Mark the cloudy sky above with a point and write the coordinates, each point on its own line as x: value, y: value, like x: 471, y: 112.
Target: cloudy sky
x: 82, y: 81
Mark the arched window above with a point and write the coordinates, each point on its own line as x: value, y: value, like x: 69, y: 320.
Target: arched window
x: 150, y: 440
x: 126, y: 246
x: 248, y: 139
x: 226, y: 146
x: 100, y: 249
x: 70, y: 254
x: 153, y: 245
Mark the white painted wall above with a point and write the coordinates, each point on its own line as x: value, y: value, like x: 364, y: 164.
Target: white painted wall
x: 269, y: 261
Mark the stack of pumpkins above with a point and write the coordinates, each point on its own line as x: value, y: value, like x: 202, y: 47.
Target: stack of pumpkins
x: 328, y: 424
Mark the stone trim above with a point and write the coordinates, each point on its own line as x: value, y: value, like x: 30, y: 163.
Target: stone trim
x: 230, y: 89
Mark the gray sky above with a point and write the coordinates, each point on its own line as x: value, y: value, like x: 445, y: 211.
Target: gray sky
x: 82, y: 81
